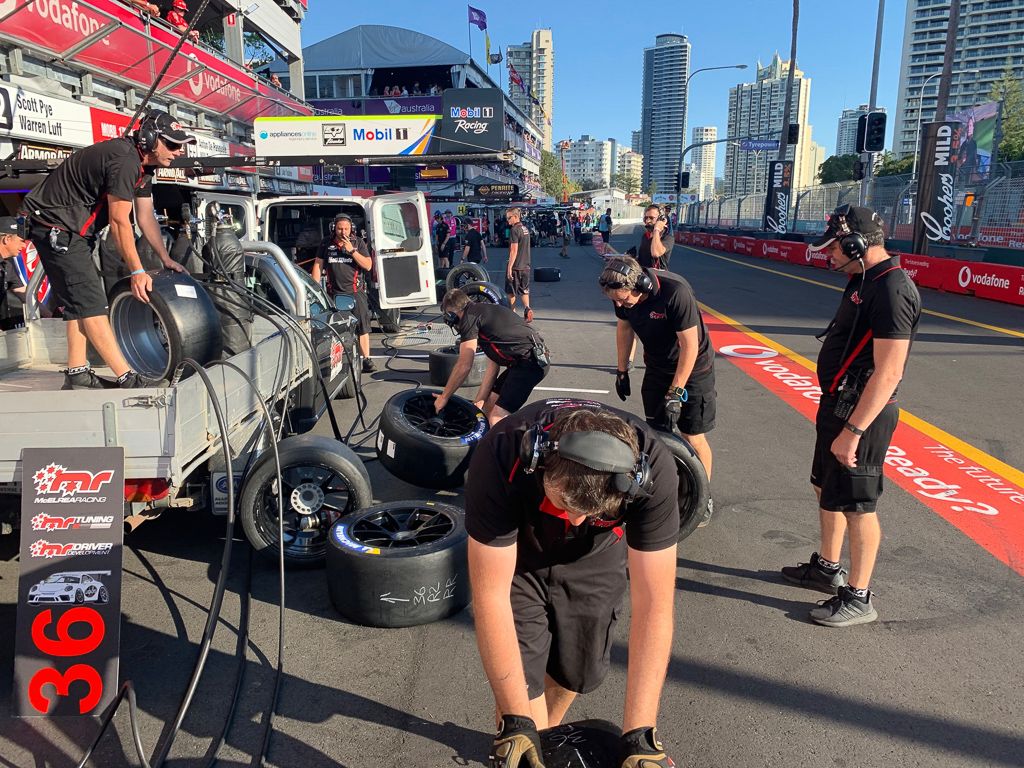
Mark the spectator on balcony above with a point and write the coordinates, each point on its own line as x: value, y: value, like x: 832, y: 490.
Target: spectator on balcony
x: 275, y: 81
x: 404, y: 91
x: 176, y: 18
x: 416, y: 90
x: 144, y: 5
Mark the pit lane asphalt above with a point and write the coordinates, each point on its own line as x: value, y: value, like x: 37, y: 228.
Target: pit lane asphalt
x: 751, y: 682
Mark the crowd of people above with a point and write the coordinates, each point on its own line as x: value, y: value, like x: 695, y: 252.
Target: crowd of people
x: 403, y: 90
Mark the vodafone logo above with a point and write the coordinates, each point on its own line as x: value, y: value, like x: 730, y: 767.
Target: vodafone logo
x: 748, y: 351
x: 6, y: 6
x: 964, y: 278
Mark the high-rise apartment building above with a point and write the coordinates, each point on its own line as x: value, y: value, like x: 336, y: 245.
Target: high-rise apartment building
x: 631, y: 164
x: 703, y: 159
x: 634, y: 143
x: 590, y: 160
x: 534, y: 61
x: 756, y: 110
x: 663, y: 109
x: 846, y: 135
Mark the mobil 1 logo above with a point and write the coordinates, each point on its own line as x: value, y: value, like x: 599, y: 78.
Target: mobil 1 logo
x: 66, y: 647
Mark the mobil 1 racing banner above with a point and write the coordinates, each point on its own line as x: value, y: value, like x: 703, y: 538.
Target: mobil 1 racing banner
x: 472, y: 120
x: 69, y: 590
x: 326, y: 136
x: 776, y: 205
x: 934, y: 217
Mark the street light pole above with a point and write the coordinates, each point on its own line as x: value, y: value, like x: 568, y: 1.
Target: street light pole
x: 686, y: 108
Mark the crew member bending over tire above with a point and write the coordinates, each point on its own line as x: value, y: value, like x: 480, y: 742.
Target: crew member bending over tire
x: 95, y: 186
x: 560, y: 498
x: 347, y: 260
x: 509, y: 343
x: 679, y: 386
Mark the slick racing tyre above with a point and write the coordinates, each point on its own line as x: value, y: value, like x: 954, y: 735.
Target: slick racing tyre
x: 694, y: 489
x: 399, y: 564
x: 179, y: 322
x: 354, y: 363
x: 389, y: 320
x: 322, y: 481
x: 465, y: 273
x: 417, y: 445
x: 442, y: 362
x: 440, y: 282
x: 586, y: 743
x: 486, y: 293
x: 547, y: 274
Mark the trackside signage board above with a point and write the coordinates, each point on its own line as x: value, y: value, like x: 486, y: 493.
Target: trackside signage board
x: 69, y: 591
x: 472, y: 120
x: 326, y: 136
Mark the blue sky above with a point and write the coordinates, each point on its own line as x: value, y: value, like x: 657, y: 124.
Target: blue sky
x: 599, y: 50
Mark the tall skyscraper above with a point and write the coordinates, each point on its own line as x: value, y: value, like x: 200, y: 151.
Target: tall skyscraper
x: 634, y: 144
x: 755, y: 110
x: 535, y: 63
x: 988, y: 39
x: 663, y: 110
x: 703, y: 159
x: 846, y: 136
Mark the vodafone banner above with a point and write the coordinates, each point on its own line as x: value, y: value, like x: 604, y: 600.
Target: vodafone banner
x: 999, y: 282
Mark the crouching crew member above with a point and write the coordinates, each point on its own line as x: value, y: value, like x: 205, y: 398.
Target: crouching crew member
x: 679, y: 385
x: 347, y: 261
x: 560, y: 498
x: 508, y: 341
x: 95, y: 186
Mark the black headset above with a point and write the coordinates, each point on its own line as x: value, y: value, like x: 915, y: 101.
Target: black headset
x: 852, y: 244
x: 450, y: 319
x: 643, y: 284
x: 596, y: 450
x: 146, y: 134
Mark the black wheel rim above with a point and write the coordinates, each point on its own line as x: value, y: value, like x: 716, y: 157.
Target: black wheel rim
x: 315, y: 496
x: 482, y: 296
x: 402, y: 528
x: 455, y: 419
x: 463, y: 277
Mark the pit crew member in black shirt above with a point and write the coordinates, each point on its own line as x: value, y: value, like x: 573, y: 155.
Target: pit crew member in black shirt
x: 441, y: 235
x: 475, y: 249
x: 95, y: 186
x: 657, y: 241
x: 517, y: 273
x: 11, y: 239
x: 860, y: 367
x: 679, y: 385
x: 560, y: 497
x: 509, y: 343
x: 347, y: 261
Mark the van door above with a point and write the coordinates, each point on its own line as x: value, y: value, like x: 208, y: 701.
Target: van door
x: 400, y: 233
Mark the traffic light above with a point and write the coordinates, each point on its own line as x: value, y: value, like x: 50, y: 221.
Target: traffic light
x: 858, y: 170
x: 794, y: 133
x: 874, y: 132
x: 684, y: 180
x: 862, y: 123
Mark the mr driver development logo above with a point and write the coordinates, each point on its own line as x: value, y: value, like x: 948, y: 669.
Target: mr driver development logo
x: 47, y: 549
x: 74, y: 486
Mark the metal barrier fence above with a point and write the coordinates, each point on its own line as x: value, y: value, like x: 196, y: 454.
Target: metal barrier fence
x: 987, y: 213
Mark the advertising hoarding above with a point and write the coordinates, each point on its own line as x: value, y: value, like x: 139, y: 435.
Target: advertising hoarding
x: 936, y: 207
x: 780, y: 185
x: 976, y: 143
x: 343, y: 135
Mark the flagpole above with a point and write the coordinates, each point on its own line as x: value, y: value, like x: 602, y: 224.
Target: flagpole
x: 469, y: 34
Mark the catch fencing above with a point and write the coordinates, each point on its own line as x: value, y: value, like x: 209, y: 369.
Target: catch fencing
x: 989, y: 212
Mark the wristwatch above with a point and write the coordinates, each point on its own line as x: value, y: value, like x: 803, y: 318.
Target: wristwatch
x: 678, y: 393
x: 850, y: 428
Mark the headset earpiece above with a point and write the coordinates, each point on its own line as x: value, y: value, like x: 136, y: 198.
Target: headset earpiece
x: 854, y: 246
x: 146, y: 134
x: 451, y: 319
x: 643, y: 284
x: 533, y: 447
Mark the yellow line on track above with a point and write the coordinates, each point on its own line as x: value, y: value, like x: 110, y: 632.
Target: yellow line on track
x: 933, y: 313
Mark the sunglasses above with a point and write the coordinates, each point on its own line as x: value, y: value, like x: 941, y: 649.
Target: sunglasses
x: 614, y: 285
x: 650, y: 218
x: 174, y: 146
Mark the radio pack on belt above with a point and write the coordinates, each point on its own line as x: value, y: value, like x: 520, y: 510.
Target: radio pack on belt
x: 849, y: 392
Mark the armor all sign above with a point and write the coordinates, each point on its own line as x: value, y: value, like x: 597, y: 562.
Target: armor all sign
x: 776, y: 207
x: 69, y: 590
x: 936, y: 209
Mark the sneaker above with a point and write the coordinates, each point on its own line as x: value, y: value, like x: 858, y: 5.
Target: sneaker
x: 844, y: 610
x: 528, y: 314
x: 813, y: 576
x: 136, y: 380
x: 707, y: 513
x: 86, y: 380
x: 368, y: 366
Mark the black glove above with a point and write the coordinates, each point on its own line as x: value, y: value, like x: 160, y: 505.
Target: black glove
x: 622, y: 385
x: 517, y: 741
x: 640, y: 748
x: 673, y: 408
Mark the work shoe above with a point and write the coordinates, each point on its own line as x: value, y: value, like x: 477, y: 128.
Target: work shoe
x: 708, y: 512
x: 844, y: 610
x: 86, y: 380
x: 135, y: 380
x: 368, y: 366
x: 528, y: 314
x: 813, y: 576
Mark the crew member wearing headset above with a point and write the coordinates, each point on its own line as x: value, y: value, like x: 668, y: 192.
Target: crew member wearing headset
x: 95, y: 186
x: 509, y: 342
x: 346, y: 258
x: 860, y: 366
x: 561, y: 496
x: 657, y: 241
x: 679, y: 384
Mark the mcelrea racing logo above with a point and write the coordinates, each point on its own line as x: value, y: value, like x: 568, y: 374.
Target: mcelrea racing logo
x: 72, y: 485
x: 46, y: 549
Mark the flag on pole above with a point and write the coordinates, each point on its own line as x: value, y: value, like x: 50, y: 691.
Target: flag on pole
x: 478, y: 17
x: 515, y: 78
x: 487, y: 45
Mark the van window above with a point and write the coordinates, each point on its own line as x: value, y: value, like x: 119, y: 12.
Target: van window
x: 401, y: 227
x: 237, y: 214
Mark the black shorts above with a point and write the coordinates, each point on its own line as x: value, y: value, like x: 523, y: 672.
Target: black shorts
x: 851, y: 489
x: 515, y: 384
x: 519, y: 284
x: 76, y: 283
x: 361, y: 311
x: 565, y: 616
x: 698, y: 413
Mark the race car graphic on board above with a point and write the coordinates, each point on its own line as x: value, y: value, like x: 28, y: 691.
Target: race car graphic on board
x: 70, y: 587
